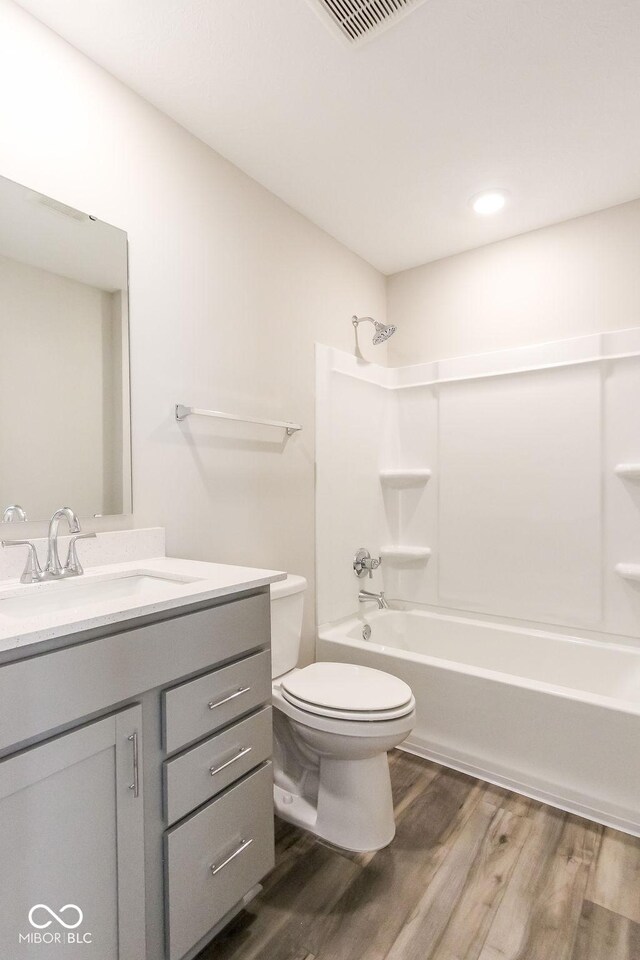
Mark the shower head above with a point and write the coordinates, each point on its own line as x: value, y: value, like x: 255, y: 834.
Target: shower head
x: 383, y: 330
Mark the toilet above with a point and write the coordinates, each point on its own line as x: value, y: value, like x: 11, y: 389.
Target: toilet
x: 333, y: 725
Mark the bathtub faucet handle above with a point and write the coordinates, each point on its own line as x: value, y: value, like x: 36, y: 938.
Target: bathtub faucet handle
x: 364, y: 563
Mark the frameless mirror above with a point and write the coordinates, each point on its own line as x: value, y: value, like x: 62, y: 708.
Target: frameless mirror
x: 64, y: 359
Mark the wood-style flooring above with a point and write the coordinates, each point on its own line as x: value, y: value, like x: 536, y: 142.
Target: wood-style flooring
x: 474, y: 873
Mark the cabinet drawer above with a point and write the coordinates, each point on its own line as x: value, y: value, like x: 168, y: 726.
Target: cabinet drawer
x: 194, y: 709
x: 204, y: 771
x: 216, y: 857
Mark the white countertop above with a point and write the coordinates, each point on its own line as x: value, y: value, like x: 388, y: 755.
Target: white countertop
x: 206, y: 581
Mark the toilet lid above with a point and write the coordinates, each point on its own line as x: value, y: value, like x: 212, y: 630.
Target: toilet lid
x: 351, y: 715
x: 348, y: 688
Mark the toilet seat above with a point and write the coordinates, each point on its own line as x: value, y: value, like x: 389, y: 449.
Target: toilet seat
x: 350, y: 715
x: 340, y: 726
x: 348, y: 691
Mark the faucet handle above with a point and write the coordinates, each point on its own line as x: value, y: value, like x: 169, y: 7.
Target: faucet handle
x: 364, y: 563
x: 73, y: 564
x: 32, y: 573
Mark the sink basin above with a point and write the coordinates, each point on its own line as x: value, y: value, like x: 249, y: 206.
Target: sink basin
x: 126, y: 590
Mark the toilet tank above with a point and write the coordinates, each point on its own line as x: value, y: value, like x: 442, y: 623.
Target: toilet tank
x: 287, y: 603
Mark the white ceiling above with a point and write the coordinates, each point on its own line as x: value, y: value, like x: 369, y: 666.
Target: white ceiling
x: 383, y: 144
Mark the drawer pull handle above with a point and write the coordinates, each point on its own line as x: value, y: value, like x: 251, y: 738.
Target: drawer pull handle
x: 242, y: 752
x: 243, y: 846
x: 232, y: 696
x: 135, y: 786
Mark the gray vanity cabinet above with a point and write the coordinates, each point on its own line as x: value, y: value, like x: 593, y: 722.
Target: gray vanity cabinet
x: 154, y: 883
x: 72, y: 831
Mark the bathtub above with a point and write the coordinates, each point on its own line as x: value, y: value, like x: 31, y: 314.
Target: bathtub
x: 554, y: 717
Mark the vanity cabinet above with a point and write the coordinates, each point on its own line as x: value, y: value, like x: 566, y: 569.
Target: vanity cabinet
x: 72, y: 831
x: 158, y: 847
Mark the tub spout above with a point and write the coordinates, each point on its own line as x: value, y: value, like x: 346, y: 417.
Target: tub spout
x: 365, y: 596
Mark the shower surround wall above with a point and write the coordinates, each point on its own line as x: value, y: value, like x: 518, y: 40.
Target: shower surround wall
x: 523, y: 512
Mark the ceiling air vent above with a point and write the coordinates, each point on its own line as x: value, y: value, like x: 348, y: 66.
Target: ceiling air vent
x: 360, y: 20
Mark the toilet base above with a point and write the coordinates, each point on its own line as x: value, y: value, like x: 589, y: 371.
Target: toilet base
x: 354, y: 807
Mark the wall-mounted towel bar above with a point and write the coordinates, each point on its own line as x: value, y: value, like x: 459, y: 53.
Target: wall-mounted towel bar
x: 183, y: 412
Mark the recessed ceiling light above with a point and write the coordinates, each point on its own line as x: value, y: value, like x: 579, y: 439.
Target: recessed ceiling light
x: 488, y: 202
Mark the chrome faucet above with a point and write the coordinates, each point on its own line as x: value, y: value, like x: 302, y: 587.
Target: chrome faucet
x: 365, y: 596
x: 14, y: 512
x: 53, y: 567
x: 53, y: 570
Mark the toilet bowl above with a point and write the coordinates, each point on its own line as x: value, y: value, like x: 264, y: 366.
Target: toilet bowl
x: 333, y: 726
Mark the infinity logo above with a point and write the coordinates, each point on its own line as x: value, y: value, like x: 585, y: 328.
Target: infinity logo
x: 47, y: 923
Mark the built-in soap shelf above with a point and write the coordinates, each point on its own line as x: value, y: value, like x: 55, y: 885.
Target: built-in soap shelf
x: 405, y: 554
x: 410, y: 477
x: 628, y: 571
x: 628, y: 471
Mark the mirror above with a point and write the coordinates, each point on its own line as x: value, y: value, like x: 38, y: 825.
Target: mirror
x: 64, y: 359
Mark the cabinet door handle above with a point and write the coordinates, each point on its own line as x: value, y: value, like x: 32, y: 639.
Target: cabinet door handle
x: 135, y: 786
x: 232, y: 696
x: 242, y: 752
x: 243, y: 846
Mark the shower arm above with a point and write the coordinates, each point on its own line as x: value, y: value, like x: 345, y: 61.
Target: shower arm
x: 356, y: 320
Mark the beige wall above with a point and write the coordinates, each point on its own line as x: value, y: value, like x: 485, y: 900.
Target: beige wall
x: 229, y: 290
x: 574, y: 278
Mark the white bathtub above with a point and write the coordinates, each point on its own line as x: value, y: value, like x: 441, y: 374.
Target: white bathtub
x: 553, y: 717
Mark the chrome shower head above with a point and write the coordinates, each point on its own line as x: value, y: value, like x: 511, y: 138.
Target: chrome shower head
x: 383, y: 330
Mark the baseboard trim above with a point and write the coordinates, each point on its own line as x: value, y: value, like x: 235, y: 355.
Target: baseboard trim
x: 544, y: 792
